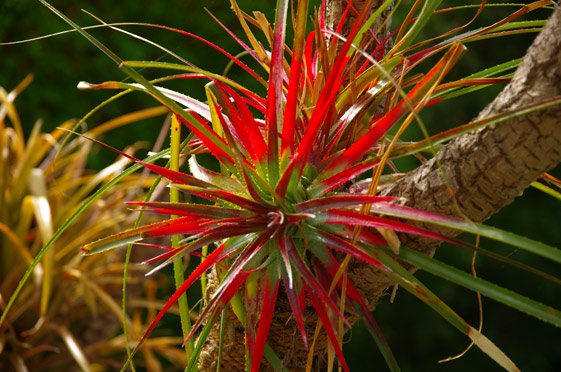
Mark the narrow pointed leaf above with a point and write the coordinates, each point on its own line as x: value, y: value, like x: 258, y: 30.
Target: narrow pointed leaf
x: 216, y: 256
x: 351, y: 292
x: 189, y: 102
x: 515, y: 240
x: 192, y: 210
x: 201, y: 342
x: 289, y: 122
x: 312, y: 283
x: 218, y: 180
x: 226, y: 196
x: 216, y: 47
x: 214, y: 235
x: 350, y: 218
x: 328, y: 327
x: 267, y: 311
x: 273, y: 119
x: 368, y: 23
x: 234, y: 277
x: 339, y: 178
x: 214, y: 143
x: 130, y: 236
x: 488, y: 289
x: 289, y: 281
x: 409, y: 282
x: 257, y: 52
x: 343, y: 246
x: 420, y: 91
x: 332, y: 202
x: 297, y: 309
x: 318, y: 120
x: 247, y: 129
x: 426, y: 12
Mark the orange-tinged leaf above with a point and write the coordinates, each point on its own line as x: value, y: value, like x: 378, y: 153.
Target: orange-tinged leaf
x: 134, y: 235
x: 419, y: 93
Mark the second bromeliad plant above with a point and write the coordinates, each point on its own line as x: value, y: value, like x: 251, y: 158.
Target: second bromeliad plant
x: 295, y: 197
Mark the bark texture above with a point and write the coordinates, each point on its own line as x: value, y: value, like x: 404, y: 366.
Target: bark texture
x: 485, y: 170
x: 380, y: 27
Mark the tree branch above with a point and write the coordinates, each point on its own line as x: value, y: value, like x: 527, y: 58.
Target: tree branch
x: 486, y: 169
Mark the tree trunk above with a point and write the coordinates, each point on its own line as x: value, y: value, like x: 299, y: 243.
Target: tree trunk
x: 485, y: 170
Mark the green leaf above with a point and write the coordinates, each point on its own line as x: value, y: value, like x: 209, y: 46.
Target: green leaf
x: 123, y: 238
x: 426, y: 12
x: 548, y: 190
x: 488, y: 289
x: 438, y: 139
x: 272, y: 358
x: 191, y: 103
x: 192, y: 366
x: 366, y: 26
x: 178, y: 67
x: 494, y: 71
x: 128, y: 68
x: 410, y: 283
x: 515, y: 240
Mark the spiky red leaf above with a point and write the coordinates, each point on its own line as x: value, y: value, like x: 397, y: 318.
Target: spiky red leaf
x: 289, y: 285
x: 267, y: 311
x: 429, y: 81
x: 216, y: 256
x: 345, y: 247
x: 192, y: 210
x: 312, y: 282
x: 273, y: 117
x: 244, y: 128
x: 289, y: 123
x: 327, y: 326
x: 216, y: 145
x: 350, y: 218
x: 338, y: 201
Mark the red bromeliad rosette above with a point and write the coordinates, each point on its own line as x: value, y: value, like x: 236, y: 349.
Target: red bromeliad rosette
x: 280, y: 206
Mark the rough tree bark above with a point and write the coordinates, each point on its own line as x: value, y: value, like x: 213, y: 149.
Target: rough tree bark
x: 485, y: 170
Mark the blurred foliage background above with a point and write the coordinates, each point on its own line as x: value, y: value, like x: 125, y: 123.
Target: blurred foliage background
x: 417, y: 335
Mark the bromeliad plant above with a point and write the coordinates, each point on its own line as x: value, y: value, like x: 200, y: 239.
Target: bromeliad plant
x: 294, y: 197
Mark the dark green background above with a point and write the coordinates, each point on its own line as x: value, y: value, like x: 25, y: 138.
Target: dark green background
x: 418, y: 336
